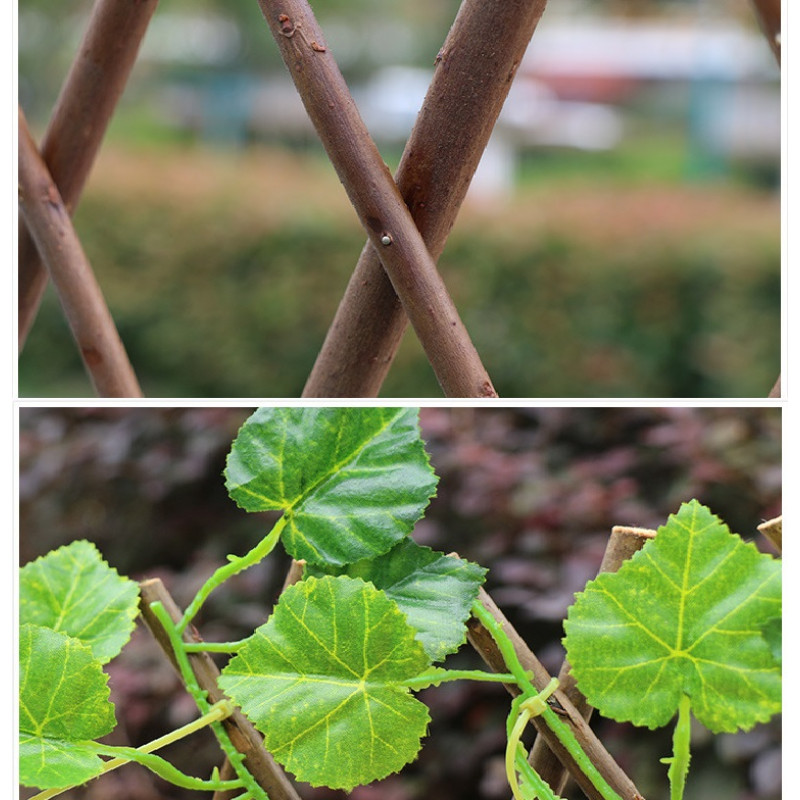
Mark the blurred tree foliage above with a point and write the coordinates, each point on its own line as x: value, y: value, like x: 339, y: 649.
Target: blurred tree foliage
x: 531, y: 493
x: 218, y: 292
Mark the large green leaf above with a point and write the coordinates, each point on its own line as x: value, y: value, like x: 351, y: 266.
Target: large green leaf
x: 324, y: 681
x: 685, y: 616
x: 772, y: 631
x: 351, y: 481
x: 433, y: 590
x: 63, y: 706
x: 73, y: 590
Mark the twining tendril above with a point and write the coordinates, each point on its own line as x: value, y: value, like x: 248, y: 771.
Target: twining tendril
x: 523, y: 709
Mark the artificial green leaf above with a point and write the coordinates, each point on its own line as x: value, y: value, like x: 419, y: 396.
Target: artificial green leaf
x: 73, y: 590
x: 683, y: 616
x: 351, y: 481
x: 772, y: 631
x: 324, y: 681
x: 434, y: 591
x: 63, y: 706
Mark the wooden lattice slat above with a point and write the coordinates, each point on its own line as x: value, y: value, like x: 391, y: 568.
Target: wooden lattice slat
x: 473, y: 75
x: 474, y: 71
x: 79, y: 121
x: 80, y: 295
x: 768, y: 13
x: 376, y: 199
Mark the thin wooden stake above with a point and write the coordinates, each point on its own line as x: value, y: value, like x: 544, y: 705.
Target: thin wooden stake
x: 768, y: 13
x: 89, y: 319
x: 773, y: 530
x: 293, y: 575
x: 473, y: 74
x: 622, y: 544
x: 769, y: 17
x: 376, y: 199
x: 84, y: 107
x: 246, y: 739
x: 483, y: 642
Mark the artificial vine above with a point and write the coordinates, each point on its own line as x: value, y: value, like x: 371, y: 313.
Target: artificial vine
x: 689, y: 626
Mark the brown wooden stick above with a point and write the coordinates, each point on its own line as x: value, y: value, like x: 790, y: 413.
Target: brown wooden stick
x: 293, y: 575
x: 482, y: 641
x: 773, y: 530
x: 81, y: 298
x: 84, y: 107
x: 768, y: 13
x: 769, y: 17
x: 243, y: 734
x: 775, y: 391
x: 376, y: 199
x: 622, y: 544
x: 473, y: 74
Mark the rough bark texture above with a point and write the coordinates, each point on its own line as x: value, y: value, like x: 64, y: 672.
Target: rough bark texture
x: 244, y: 736
x: 376, y: 199
x: 474, y: 71
x: 83, y: 110
x: 85, y: 308
x: 622, y: 544
x: 483, y: 642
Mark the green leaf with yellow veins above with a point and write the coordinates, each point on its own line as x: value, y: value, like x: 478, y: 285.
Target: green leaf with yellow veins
x: 325, y: 681
x: 74, y: 590
x: 772, y: 632
x: 351, y: 481
x: 434, y: 591
x: 63, y: 706
x: 684, y: 616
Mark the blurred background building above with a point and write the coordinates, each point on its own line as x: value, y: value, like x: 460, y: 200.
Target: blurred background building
x: 594, y: 76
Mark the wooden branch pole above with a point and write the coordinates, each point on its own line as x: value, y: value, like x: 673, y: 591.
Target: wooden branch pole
x: 769, y: 17
x: 84, y: 107
x: 473, y: 74
x: 293, y: 575
x: 768, y: 13
x: 773, y: 530
x: 376, y: 199
x: 244, y: 736
x: 89, y: 319
x: 483, y: 642
x: 622, y: 544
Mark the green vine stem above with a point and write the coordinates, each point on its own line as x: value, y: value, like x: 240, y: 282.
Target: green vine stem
x: 528, y: 690
x: 681, y: 754
x: 506, y: 647
x: 523, y: 708
x: 170, y: 773
x: 213, y: 647
x: 142, y: 755
x: 435, y: 676
x: 622, y: 544
x: 235, y: 565
x: 235, y: 758
x: 242, y: 733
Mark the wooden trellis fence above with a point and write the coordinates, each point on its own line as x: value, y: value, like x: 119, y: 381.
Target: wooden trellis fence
x: 407, y: 218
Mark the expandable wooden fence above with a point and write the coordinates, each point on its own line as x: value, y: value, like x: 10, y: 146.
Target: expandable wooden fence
x: 406, y: 218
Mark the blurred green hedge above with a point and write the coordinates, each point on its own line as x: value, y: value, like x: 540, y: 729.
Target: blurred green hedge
x: 210, y: 304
